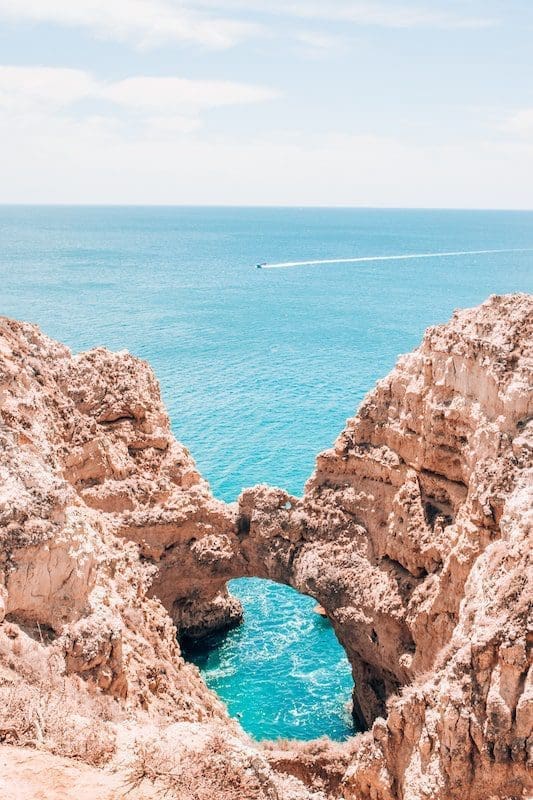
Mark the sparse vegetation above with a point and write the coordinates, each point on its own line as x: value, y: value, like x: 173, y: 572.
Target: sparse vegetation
x: 55, y: 720
x: 215, y: 770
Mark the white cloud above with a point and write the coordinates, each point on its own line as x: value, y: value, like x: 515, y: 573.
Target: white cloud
x: 174, y: 94
x: 376, y: 13
x: 520, y: 124
x: 223, y: 23
x: 318, y: 43
x: 137, y: 141
x: 386, y: 15
x: 145, y: 23
x: 24, y: 88
x: 168, y: 104
x: 54, y: 158
x: 170, y: 126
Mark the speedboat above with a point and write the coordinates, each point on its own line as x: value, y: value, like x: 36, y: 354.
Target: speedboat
x: 260, y: 266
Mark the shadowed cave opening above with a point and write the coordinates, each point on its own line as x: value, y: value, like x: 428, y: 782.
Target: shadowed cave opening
x: 282, y: 673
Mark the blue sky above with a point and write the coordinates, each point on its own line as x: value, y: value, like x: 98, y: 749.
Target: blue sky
x: 289, y: 102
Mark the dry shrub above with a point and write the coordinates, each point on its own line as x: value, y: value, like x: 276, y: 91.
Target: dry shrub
x: 320, y: 764
x: 41, y: 707
x: 314, y: 747
x: 57, y: 721
x: 213, y: 771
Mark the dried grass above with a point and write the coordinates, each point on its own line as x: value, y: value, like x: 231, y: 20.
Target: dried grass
x: 54, y: 720
x: 214, y: 771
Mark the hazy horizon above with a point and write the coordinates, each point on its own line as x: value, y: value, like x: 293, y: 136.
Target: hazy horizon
x: 294, y: 206
x: 405, y: 104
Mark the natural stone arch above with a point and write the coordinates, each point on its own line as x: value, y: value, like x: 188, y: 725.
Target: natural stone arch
x: 275, y: 536
x: 416, y: 521
x: 378, y: 525
x: 395, y: 515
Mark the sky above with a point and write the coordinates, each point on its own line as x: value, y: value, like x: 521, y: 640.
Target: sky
x: 386, y: 103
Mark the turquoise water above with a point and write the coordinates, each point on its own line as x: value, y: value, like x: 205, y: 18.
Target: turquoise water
x: 282, y: 673
x: 259, y: 368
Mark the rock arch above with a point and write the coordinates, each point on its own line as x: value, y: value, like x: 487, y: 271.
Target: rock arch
x: 412, y: 534
x: 389, y: 526
x: 395, y: 515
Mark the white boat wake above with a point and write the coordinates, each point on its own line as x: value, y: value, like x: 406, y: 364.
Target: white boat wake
x: 403, y: 257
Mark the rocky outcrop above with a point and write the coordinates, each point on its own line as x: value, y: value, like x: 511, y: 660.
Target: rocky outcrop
x: 94, y: 490
x: 88, y: 436
x: 413, y: 492
x: 413, y: 534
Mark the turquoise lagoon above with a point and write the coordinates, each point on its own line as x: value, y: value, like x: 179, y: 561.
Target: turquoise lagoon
x: 259, y: 368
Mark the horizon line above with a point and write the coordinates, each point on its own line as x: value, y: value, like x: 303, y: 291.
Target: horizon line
x: 348, y: 207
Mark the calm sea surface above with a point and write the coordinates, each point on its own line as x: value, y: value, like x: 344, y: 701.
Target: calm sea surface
x: 259, y: 368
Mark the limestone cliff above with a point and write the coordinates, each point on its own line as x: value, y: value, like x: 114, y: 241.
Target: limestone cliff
x: 413, y: 534
x: 90, y: 667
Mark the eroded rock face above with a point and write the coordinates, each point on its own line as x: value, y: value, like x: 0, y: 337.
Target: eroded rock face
x: 78, y: 436
x: 95, y: 492
x: 90, y: 432
x: 413, y: 534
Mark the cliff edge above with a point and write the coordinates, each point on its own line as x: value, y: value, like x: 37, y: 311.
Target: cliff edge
x: 414, y: 534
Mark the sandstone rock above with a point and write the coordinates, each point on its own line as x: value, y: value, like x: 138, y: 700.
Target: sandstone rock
x: 90, y: 665
x: 414, y: 535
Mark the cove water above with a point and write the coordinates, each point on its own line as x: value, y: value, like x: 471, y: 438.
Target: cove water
x: 259, y: 368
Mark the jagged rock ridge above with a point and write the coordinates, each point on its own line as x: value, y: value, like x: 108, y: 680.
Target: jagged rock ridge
x: 413, y: 534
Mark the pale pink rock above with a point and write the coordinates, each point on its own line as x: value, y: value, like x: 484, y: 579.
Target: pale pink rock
x: 414, y: 535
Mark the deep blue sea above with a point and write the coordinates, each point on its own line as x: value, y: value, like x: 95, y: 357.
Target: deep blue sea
x: 259, y: 368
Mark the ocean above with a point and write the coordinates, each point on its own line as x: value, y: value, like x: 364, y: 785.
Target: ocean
x: 259, y: 368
